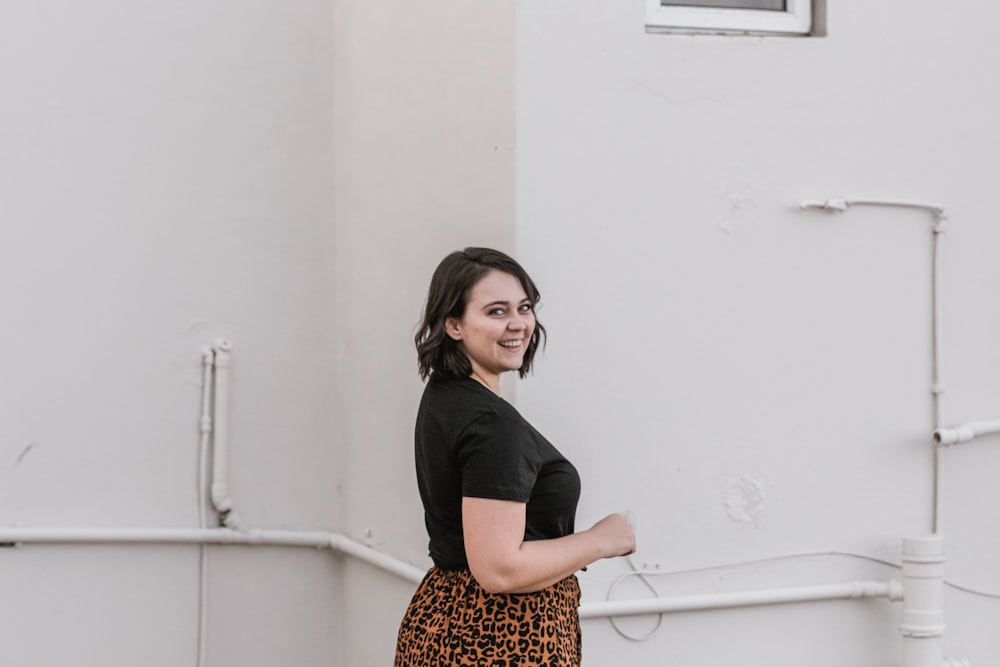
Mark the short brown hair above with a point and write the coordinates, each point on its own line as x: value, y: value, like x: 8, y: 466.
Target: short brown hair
x: 448, y: 296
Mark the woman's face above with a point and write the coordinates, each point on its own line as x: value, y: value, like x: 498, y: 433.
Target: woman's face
x: 497, y: 324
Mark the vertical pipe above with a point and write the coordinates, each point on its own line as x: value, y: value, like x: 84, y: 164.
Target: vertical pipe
x: 220, y: 443
x: 922, y: 624
x: 937, y: 387
x: 205, y: 428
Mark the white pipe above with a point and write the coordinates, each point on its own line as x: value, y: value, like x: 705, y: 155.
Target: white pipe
x: 841, y: 204
x: 922, y: 624
x: 323, y: 540
x: 220, y: 443
x: 922, y: 559
x: 965, y: 432
x: 320, y: 540
x: 937, y: 386
x: 255, y: 537
x: 205, y: 422
x: 853, y: 589
x: 378, y: 559
x: 21, y: 535
x: 205, y: 427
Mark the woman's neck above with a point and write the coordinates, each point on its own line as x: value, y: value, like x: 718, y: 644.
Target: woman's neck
x: 486, y: 381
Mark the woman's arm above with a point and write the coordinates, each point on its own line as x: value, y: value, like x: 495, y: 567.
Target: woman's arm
x: 502, y: 562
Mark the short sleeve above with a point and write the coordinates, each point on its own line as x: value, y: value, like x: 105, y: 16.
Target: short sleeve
x: 498, y: 457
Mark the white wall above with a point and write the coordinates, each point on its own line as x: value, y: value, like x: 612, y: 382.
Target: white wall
x: 751, y: 379
x: 288, y: 176
x: 166, y: 177
x: 425, y: 166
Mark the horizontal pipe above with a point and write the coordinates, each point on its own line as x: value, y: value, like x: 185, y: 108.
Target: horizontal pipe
x: 345, y: 545
x: 315, y: 539
x: 854, y: 589
x: 163, y: 536
x: 841, y: 204
x: 965, y: 432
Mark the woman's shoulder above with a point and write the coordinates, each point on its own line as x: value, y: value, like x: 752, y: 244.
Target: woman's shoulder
x: 465, y: 390
x: 457, y: 396
x: 465, y: 400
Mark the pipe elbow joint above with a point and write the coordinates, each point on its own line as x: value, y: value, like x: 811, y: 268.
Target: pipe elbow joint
x: 940, y: 221
x: 207, y: 355
x: 954, y: 436
x: 230, y: 519
x: 220, y: 498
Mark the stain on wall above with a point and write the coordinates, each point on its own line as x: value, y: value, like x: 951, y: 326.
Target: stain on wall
x: 744, y: 499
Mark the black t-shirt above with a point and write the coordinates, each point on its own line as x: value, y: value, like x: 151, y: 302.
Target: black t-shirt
x: 470, y: 442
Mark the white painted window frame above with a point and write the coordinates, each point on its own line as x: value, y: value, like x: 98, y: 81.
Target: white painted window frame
x: 796, y: 20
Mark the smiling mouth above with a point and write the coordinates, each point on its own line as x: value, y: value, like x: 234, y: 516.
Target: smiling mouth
x: 511, y: 344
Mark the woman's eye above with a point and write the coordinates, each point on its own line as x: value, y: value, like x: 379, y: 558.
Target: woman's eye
x: 497, y: 311
x: 525, y: 308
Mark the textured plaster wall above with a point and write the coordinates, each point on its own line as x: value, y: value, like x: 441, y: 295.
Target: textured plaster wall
x: 753, y: 380
x: 166, y: 177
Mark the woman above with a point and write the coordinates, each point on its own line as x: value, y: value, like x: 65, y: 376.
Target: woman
x: 499, y: 500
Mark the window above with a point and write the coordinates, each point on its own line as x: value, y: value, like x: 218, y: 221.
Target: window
x: 783, y: 17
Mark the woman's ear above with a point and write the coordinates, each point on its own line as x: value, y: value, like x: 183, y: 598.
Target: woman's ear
x: 452, y: 328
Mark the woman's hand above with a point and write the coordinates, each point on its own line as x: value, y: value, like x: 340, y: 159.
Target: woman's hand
x: 616, y: 535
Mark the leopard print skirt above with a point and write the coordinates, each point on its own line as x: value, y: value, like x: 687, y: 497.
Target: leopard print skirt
x: 453, y: 622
